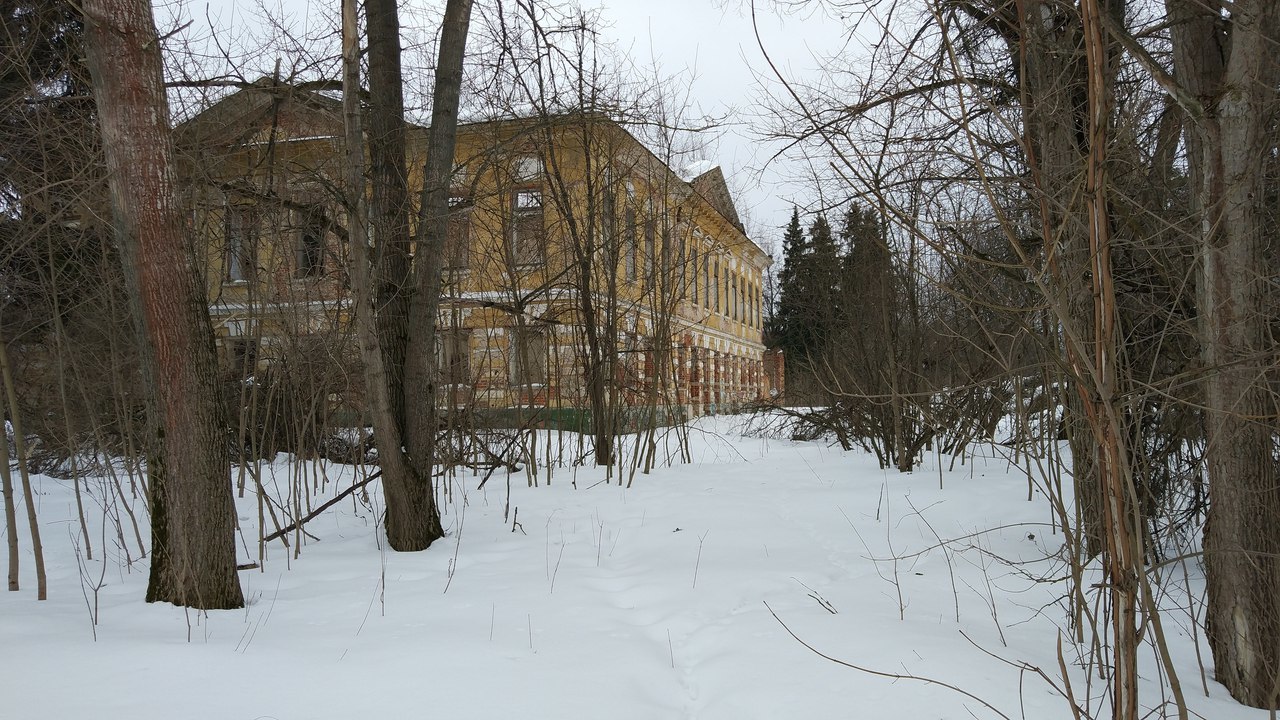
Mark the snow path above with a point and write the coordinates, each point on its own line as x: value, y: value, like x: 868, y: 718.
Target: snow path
x: 643, y: 603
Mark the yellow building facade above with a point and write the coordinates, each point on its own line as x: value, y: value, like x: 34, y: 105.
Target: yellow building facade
x: 571, y: 245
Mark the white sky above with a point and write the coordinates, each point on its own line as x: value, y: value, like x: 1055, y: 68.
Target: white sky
x: 714, y: 41
x: 709, y: 42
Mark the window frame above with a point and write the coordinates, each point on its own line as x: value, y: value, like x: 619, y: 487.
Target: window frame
x: 522, y: 256
x: 457, y: 251
x: 241, y: 224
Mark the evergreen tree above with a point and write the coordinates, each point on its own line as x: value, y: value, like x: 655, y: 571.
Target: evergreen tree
x: 809, y: 284
x: 822, y: 276
x: 783, y: 325
x: 865, y: 268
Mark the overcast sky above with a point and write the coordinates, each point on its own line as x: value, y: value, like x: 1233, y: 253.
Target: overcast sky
x: 715, y: 42
x: 710, y: 43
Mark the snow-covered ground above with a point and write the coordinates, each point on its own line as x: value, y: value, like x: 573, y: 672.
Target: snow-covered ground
x: 676, y: 598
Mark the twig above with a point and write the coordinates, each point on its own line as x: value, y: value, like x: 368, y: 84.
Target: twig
x: 818, y: 597
x: 698, y: 562
x: 878, y: 673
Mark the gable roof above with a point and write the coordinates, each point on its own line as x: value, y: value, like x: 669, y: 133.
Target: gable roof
x: 712, y: 186
x: 236, y: 118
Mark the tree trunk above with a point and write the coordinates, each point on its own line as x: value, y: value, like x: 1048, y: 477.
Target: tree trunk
x: 386, y: 426
x: 194, y: 561
x: 1053, y: 68
x: 10, y: 510
x: 421, y: 371
x: 397, y: 326
x: 412, y: 520
x: 1228, y: 143
x: 388, y: 180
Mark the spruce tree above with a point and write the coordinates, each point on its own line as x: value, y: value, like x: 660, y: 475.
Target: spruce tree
x: 784, y: 324
x: 822, y: 278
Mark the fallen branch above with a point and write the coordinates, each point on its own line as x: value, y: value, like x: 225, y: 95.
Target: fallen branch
x: 325, y: 506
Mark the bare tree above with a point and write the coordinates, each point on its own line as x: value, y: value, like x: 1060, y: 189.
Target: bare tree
x: 193, y: 516
x: 1229, y: 93
x: 1030, y: 112
x: 396, y: 320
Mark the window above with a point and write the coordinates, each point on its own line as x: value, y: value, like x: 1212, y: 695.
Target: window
x: 632, y: 246
x: 528, y: 357
x: 457, y: 240
x: 693, y: 262
x: 527, y: 232
x: 715, y: 287
x: 682, y: 272
x: 527, y: 169
x: 706, y: 279
x: 309, y: 260
x: 650, y: 236
x: 728, y: 293
x: 242, y: 354
x: 453, y: 353
x: 241, y: 234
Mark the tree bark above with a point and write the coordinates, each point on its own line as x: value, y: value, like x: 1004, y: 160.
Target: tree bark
x: 397, y: 325
x: 421, y: 373
x: 193, y: 561
x: 388, y: 181
x: 386, y: 426
x: 1230, y: 65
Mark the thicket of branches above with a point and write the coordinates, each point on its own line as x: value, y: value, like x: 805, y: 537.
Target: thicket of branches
x: 1085, y: 193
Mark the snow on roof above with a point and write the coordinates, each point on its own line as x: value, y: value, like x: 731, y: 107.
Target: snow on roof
x: 692, y: 170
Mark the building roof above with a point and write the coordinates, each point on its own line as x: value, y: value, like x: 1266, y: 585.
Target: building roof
x: 311, y: 111
x: 712, y: 186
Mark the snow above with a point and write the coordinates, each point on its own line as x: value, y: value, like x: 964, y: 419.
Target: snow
x: 656, y: 601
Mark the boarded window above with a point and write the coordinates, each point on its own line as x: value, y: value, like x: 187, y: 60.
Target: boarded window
x: 457, y: 241
x: 242, y: 356
x: 528, y: 357
x: 528, y: 234
x: 453, y: 352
